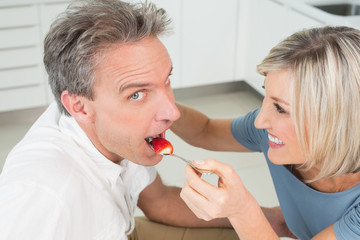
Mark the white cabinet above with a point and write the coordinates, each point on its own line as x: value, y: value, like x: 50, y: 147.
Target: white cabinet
x: 172, y: 39
x: 268, y: 23
x: 202, y: 44
x: 48, y: 13
x: 208, y: 39
x: 22, y: 80
x: 266, y: 27
x: 18, y: 16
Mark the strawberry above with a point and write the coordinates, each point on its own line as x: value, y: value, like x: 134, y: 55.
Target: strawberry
x: 162, y: 146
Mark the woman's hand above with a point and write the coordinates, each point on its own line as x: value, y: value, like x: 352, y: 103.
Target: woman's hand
x: 232, y: 200
x: 207, y: 201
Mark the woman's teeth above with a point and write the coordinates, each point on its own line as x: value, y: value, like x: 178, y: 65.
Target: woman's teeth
x: 275, y: 140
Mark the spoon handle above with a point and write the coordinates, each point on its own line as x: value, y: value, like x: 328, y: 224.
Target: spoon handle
x: 191, y: 164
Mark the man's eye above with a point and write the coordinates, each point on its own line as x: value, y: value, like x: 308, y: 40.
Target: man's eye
x: 137, y: 96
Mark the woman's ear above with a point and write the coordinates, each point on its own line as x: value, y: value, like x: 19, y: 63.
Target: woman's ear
x: 77, y: 106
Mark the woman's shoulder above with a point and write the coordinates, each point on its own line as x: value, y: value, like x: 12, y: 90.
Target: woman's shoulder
x: 348, y: 226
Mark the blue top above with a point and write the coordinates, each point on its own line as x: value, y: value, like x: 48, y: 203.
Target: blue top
x: 306, y: 211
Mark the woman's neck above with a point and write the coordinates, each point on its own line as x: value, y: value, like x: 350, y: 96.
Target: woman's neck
x: 327, y: 185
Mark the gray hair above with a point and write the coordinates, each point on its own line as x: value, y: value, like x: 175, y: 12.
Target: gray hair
x: 325, y: 105
x: 80, y: 35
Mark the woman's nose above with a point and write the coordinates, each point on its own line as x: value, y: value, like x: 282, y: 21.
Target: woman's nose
x: 262, y: 119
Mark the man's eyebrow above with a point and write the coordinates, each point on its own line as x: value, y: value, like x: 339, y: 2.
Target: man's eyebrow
x: 140, y: 85
x: 134, y: 85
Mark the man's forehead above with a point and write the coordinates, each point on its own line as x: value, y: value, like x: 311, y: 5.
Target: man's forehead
x: 139, y: 81
x: 132, y: 54
x: 134, y: 62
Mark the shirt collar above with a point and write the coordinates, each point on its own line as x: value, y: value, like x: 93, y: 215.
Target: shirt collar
x: 109, y: 169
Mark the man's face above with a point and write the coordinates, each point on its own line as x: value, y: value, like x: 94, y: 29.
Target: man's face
x: 133, y: 101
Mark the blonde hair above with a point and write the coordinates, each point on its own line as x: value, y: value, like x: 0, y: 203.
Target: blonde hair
x: 325, y: 67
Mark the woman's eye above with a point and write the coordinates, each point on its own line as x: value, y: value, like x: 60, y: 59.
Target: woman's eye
x: 279, y: 108
x: 137, y: 96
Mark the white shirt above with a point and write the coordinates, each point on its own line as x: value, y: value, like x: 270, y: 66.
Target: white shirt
x: 56, y: 185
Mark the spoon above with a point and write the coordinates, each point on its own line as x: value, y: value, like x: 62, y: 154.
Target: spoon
x: 164, y: 147
x: 190, y: 163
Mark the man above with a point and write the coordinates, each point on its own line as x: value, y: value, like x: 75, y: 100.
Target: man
x: 85, y: 165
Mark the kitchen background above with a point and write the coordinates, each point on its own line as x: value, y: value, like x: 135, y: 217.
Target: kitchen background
x: 215, y: 47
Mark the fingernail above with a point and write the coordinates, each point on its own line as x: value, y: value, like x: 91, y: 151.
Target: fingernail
x: 199, y: 162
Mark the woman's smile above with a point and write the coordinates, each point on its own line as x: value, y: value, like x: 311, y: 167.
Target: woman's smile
x: 274, y: 142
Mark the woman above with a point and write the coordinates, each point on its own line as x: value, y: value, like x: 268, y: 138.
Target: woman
x: 308, y: 129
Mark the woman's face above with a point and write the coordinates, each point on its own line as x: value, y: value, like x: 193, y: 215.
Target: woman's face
x: 275, y: 117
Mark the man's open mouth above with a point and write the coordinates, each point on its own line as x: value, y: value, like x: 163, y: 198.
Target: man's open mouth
x: 149, y: 139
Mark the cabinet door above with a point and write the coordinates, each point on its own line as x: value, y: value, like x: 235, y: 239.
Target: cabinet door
x: 266, y: 26
x: 208, y: 41
x: 172, y: 39
x: 14, y: 37
x: 48, y: 13
x: 21, y: 98
x: 20, y: 77
x: 241, y: 40
x: 272, y: 23
x: 18, y: 16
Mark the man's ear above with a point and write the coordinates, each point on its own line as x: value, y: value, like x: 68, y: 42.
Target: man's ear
x: 77, y: 106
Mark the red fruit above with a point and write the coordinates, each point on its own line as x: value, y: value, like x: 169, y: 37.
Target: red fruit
x: 162, y: 146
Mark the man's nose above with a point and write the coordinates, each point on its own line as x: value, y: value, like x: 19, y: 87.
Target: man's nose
x: 167, y: 108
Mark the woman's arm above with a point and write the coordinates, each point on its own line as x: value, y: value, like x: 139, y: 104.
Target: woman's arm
x: 229, y: 199
x: 198, y: 130
x: 326, y: 234
x: 161, y: 203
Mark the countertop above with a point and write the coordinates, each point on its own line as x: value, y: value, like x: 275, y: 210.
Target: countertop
x: 305, y: 7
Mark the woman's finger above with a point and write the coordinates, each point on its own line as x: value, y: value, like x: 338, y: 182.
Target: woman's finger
x: 202, y: 187
x: 195, y: 201
x: 226, y: 173
x: 229, y: 198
